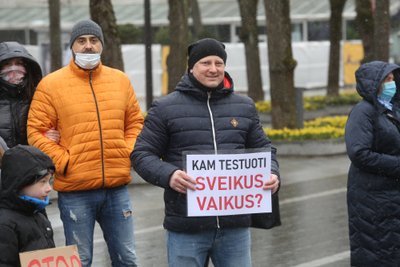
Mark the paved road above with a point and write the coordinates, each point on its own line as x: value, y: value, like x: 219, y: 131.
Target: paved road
x: 313, y: 209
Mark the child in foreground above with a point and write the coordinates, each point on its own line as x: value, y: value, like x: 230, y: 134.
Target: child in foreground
x: 26, y: 176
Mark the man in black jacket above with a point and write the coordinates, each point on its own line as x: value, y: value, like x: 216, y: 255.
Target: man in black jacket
x: 202, y: 114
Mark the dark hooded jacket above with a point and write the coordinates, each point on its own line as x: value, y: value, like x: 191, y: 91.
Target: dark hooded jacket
x: 22, y: 226
x: 373, y: 195
x: 191, y: 119
x: 15, y: 99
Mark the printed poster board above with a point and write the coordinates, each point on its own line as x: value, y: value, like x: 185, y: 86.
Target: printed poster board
x: 229, y: 184
x: 66, y: 256
x: 353, y: 53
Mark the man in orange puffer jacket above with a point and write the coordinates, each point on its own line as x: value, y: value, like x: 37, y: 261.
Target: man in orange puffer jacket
x: 95, y: 110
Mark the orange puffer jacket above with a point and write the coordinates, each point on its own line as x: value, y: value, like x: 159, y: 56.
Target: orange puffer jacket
x: 98, y: 117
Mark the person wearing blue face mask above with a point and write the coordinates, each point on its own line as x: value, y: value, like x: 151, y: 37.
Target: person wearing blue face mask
x: 372, y: 136
x: 25, y: 186
x: 387, y: 91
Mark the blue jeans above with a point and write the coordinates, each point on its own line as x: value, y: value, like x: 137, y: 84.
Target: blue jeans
x: 112, y: 209
x: 226, y: 248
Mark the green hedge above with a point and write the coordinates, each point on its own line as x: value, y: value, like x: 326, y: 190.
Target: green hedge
x: 317, y: 102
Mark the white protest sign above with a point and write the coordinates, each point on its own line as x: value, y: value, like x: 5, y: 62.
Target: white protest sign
x: 229, y: 184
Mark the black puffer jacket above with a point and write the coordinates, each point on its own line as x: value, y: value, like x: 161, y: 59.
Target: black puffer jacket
x: 22, y: 226
x: 186, y: 120
x: 373, y: 194
x: 15, y: 100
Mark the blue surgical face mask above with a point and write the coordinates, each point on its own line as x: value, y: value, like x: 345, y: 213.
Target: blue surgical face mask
x: 389, y: 90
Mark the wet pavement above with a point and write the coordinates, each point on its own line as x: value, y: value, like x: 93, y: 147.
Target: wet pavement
x: 313, y: 210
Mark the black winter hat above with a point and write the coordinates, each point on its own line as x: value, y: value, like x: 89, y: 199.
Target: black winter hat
x: 21, y: 165
x: 203, y: 48
x: 86, y: 27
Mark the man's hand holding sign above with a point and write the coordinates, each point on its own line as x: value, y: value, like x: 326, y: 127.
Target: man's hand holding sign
x: 180, y: 181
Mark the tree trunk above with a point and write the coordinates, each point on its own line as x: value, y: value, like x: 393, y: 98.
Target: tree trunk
x: 196, y: 18
x: 365, y: 27
x: 249, y: 36
x: 148, y: 43
x: 178, y: 33
x: 281, y: 64
x: 381, y: 30
x: 55, y: 35
x: 335, y: 35
x: 102, y: 12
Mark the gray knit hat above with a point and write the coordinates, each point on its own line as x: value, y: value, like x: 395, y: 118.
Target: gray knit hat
x: 86, y: 27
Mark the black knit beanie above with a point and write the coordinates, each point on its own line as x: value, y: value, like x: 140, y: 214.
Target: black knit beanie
x: 21, y: 165
x: 86, y: 27
x: 203, y: 48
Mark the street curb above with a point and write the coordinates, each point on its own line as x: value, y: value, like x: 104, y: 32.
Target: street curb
x: 311, y: 148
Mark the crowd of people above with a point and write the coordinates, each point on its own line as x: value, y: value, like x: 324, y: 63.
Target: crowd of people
x: 82, y: 127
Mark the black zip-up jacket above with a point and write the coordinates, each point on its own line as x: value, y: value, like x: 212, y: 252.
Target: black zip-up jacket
x: 14, y: 99
x: 192, y: 119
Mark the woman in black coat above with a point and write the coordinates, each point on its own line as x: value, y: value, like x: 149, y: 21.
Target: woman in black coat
x: 373, y: 146
x: 19, y: 75
x: 25, y: 185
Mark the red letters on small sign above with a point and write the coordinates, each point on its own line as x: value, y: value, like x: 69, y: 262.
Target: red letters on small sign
x: 60, y: 261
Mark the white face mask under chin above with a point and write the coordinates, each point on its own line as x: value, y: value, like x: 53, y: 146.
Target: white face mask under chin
x: 87, y: 61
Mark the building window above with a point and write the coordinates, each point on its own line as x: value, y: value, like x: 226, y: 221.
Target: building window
x: 351, y: 30
x: 318, y: 30
x: 220, y: 32
x: 297, y: 32
x: 20, y: 36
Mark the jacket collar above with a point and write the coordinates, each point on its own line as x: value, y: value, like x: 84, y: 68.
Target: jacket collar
x: 187, y: 86
x: 82, y: 72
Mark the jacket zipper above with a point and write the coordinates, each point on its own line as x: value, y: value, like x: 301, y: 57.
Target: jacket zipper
x: 100, y: 128
x: 213, y: 133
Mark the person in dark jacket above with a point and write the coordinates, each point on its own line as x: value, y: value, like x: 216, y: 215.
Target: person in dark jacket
x: 20, y: 73
x: 372, y: 137
x: 202, y: 114
x: 25, y: 179
x: 3, y: 148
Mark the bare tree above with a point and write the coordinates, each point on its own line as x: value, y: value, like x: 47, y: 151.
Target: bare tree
x: 148, y: 44
x: 249, y: 36
x: 335, y: 35
x: 381, y: 30
x: 55, y: 35
x: 178, y: 32
x: 195, y: 13
x: 365, y: 27
x: 102, y: 12
x: 281, y: 64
